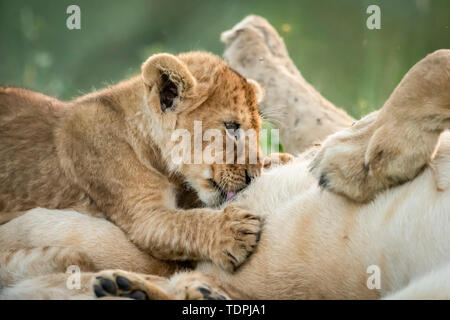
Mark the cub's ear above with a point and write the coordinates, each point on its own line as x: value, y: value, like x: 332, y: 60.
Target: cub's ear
x: 169, y: 78
x: 259, y: 92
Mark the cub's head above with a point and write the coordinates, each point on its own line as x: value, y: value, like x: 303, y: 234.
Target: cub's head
x: 205, y: 121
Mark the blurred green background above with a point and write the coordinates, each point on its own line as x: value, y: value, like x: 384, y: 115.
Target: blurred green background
x: 352, y: 66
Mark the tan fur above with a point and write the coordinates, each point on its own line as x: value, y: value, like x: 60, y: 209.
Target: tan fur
x: 393, y: 145
x: 110, y: 152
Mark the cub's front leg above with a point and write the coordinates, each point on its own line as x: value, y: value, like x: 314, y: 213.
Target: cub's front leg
x: 226, y: 237
x: 141, y: 201
x: 392, y: 146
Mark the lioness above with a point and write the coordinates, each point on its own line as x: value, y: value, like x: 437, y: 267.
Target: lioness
x: 315, y: 244
x: 110, y: 152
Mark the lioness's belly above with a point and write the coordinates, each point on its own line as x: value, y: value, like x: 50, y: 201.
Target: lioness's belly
x: 319, y: 245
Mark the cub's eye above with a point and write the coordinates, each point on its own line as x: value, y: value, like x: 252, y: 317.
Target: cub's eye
x: 232, y: 125
x: 233, y: 128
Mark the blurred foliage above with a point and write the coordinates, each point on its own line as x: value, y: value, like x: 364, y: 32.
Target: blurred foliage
x: 267, y: 141
x: 352, y: 66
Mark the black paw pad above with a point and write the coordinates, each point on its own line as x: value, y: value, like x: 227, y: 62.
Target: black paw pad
x: 204, y: 291
x: 98, y: 291
x: 136, y: 295
x: 123, y: 283
x: 108, y: 286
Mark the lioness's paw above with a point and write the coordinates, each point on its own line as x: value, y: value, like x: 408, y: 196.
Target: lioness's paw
x: 237, y: 238
x: 195, y: 286
x: 118, y: 283
x: 339, y: 167
x: 367, y: 158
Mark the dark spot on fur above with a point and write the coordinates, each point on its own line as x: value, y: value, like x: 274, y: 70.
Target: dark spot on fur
x: 258, y: 236
x: 323, y: 181
x: 365, y: 168
x: 433, y: 117
x: 395, y: 180
x: 319, y: 121
x: 378, y: 156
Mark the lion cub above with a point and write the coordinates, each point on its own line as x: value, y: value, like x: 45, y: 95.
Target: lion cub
x: 111, y: 152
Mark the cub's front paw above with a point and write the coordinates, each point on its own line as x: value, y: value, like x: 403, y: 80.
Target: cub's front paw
x: 237, y: 236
